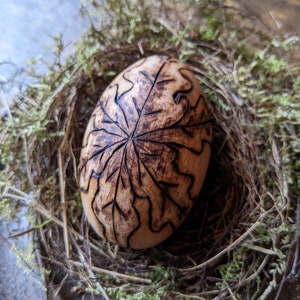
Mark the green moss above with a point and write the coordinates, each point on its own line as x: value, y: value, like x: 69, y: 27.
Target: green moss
x: 260, y: 75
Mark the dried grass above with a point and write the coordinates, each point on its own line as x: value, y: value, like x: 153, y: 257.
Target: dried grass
x: 219, y: 252
x: 234, y: 201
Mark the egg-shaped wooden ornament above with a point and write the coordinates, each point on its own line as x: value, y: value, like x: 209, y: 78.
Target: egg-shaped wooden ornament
x: 145, y: 153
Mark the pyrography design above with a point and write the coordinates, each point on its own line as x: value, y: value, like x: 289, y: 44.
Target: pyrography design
x: 147, y: 132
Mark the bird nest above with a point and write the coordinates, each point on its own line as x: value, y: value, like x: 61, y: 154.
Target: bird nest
x: 233, y: 208
x: 236, y: 239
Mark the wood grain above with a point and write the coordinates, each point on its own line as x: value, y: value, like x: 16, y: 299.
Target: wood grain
x: 145, y: 153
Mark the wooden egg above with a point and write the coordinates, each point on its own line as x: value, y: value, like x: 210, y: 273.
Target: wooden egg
x: 145, y: 153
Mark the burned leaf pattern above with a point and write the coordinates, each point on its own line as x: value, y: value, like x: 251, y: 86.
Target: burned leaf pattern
x: 143, y: 150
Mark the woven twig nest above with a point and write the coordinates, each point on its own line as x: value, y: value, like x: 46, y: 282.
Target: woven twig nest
x: 232, y: 204
x: 238, y: 240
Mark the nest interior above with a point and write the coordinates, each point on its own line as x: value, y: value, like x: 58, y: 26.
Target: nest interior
x: 228, y: 205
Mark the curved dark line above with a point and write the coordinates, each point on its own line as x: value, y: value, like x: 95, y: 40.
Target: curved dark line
x: 136, y: 106
x: 117, y: 184
x: 169, y: 184
x: 154, y: 112
x: 201, y: 96
x: 138, y: 164
x: 125, y: 92
x: 133, y: 231
x: 111, y: 174
x: 87, y: 138
x: 182, y: 95
x: 173, y: 144
x: 118, y: 97
x: 163, y: 192
x: 177, y: 123
x: 114, y: 201
x: 135, y: 193
x: 132, y: 205
x: 165, y: 81
x: 175, y: 165
x: 188, y: 109
x: 112, y: 121
x: 149, y: 201
x: 92, y: 203
x: 115, y: 204
x: 108, y: 204
x: 190, y: 176
x: 173, y: 126
x: 104, y: 130
x: 123, y: 181
x: 88, y: 187
x: 165, y: 224
x: 147, y: 98
x: 93, y: 175
x: 146, y: 75
x: 122, y: 143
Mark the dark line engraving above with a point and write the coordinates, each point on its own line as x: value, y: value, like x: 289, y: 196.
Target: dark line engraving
x: 155, y: 112
x: 147, y: 98
x: 163, y: 191
x: 126, y: 151
x: 117, y: 101
x: 165, y: 81
x: 147, y: 76
x: 136, y: 106
x: 110, y: 120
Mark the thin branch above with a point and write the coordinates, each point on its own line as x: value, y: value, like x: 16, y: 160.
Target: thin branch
x: 224, y: 251
x: 91, y: 273
x: 114, y: 274
x: 62, y: 188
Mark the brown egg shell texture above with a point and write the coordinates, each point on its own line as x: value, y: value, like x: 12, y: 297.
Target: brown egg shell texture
x: 145, y: 153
